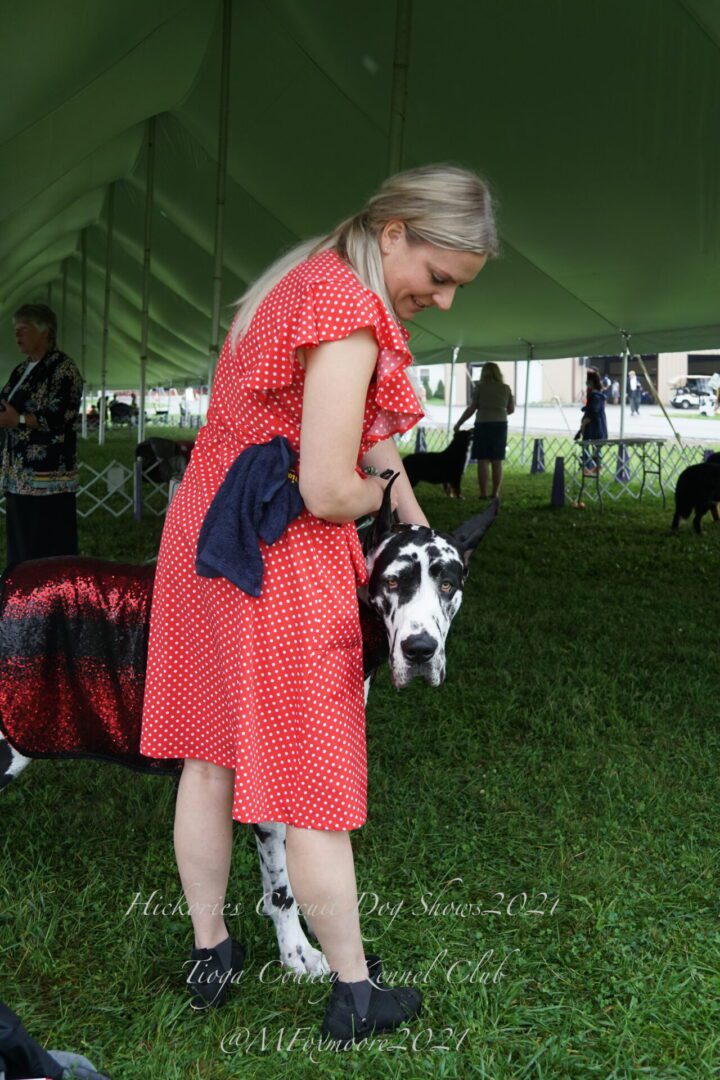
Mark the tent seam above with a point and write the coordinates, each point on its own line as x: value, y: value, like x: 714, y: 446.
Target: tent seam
x: 86, y: 86
x: 695, y: 18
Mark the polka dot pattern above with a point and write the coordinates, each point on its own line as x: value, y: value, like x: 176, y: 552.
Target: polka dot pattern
x: 272, y: 686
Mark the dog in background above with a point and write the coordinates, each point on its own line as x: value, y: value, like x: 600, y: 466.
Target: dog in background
x: 698, y: 490
x: 446, y: 467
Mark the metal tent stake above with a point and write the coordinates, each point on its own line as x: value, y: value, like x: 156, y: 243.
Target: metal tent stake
x: 655, y: 394
x: 147, y: 252
x: 623, y: 380
x: 455, y: 354
x: 63, y: 307
x: 214, y: 349
x: 106, y: 312
x: 528, y: 362
x: 398, y: 94
x: 83, y: 328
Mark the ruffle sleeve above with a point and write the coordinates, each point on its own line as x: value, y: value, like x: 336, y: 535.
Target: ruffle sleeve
x: 307, y: 313
x: 392, y: 398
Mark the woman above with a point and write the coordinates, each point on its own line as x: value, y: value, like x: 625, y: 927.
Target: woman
x: 634, y: 393
x: 594, y: 422
x: 262, y: 696
x: 39, y: 414
x: 493, y: 401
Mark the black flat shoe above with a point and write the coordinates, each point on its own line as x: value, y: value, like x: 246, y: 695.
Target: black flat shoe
x: 389, y: 1008
x: 374, y: 966
x: 210, y: 976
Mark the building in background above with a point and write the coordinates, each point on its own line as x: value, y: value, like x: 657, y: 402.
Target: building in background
x: 550, y: 381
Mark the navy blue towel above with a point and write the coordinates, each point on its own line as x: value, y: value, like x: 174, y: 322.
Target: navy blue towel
x: 259, y: 497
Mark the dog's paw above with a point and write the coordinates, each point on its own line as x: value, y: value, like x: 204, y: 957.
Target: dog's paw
x: 307, y: 961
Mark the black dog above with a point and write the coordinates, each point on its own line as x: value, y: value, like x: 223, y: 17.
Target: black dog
x: 445, y: 468
x: 120, y: 412
x: 698, y: 490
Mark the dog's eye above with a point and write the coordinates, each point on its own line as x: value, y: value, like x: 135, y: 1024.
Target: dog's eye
x: 446, y: 586
x: 391, y: 582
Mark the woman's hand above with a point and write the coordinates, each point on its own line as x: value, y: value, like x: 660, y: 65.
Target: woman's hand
x: 384, y: 455
x: 382, y: 484
x: 9, y: 416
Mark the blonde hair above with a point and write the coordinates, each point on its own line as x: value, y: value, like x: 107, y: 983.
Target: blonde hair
x: 442, y: 205
x: 491, y: 373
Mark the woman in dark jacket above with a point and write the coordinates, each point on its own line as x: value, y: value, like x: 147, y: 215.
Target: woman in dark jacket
x: 593, y: 425
x: 39, y: 413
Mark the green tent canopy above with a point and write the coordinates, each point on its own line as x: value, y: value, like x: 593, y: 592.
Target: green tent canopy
x: 595, y: 123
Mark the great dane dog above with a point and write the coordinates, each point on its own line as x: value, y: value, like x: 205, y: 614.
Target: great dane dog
x: 415, y: 588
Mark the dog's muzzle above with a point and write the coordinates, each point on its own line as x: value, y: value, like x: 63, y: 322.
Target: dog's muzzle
x: 418, y: 655
x: 419, y: 648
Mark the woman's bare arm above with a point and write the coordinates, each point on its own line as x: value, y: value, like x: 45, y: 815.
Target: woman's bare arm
x: 337, y: 376
x: 384, y: 455
x: 472, y: 407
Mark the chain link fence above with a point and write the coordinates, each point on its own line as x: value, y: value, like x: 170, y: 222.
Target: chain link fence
x: 118, y: 489
x: 621, y: 469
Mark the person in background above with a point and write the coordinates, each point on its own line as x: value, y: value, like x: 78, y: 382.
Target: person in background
x: 594, y: 422
x: 615, y: 392
x: 493, y: 402
x: 606, y: 388
x: 634, y: 393
x: 39, y: 417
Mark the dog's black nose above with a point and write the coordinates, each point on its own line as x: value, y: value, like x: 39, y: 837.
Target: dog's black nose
x: 419, y: 648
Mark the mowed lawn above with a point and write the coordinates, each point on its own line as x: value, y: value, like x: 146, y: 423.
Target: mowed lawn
x: 540, y: 855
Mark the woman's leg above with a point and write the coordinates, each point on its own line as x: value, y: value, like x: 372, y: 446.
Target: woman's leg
x: 321, y: 870
x: 203, y: 846
x: 497, y: 473
x: 483, y: 477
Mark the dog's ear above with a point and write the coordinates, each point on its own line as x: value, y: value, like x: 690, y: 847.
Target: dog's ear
x: 469, y: 533
x: 384, y: 520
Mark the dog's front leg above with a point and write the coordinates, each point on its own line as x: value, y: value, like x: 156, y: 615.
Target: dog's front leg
x: 12, y: 763
x: 279, y: 904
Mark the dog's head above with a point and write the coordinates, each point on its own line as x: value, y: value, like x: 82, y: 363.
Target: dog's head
x: 462, y: 438
x: 416, y: 579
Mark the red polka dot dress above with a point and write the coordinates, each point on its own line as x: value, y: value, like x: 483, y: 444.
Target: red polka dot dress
x: 272, y: 686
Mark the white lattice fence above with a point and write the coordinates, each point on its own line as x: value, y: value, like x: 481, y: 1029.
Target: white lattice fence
x: 619, y: 476
x: 110, y: 490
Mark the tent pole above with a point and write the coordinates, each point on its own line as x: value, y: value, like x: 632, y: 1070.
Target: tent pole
x: 214, y: 350
x: 147, y: 251
x: 398, y: 99
x: 623, y: 380
x: 63, y: 309
x: 83, y: 327
x: 106, y: 312
x: 455, y: 353
x: 531, y: 353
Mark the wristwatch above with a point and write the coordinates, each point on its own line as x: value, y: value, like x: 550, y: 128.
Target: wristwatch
x: 21, y: 419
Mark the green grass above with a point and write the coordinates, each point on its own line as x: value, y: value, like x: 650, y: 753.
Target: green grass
x: 570, y: 756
